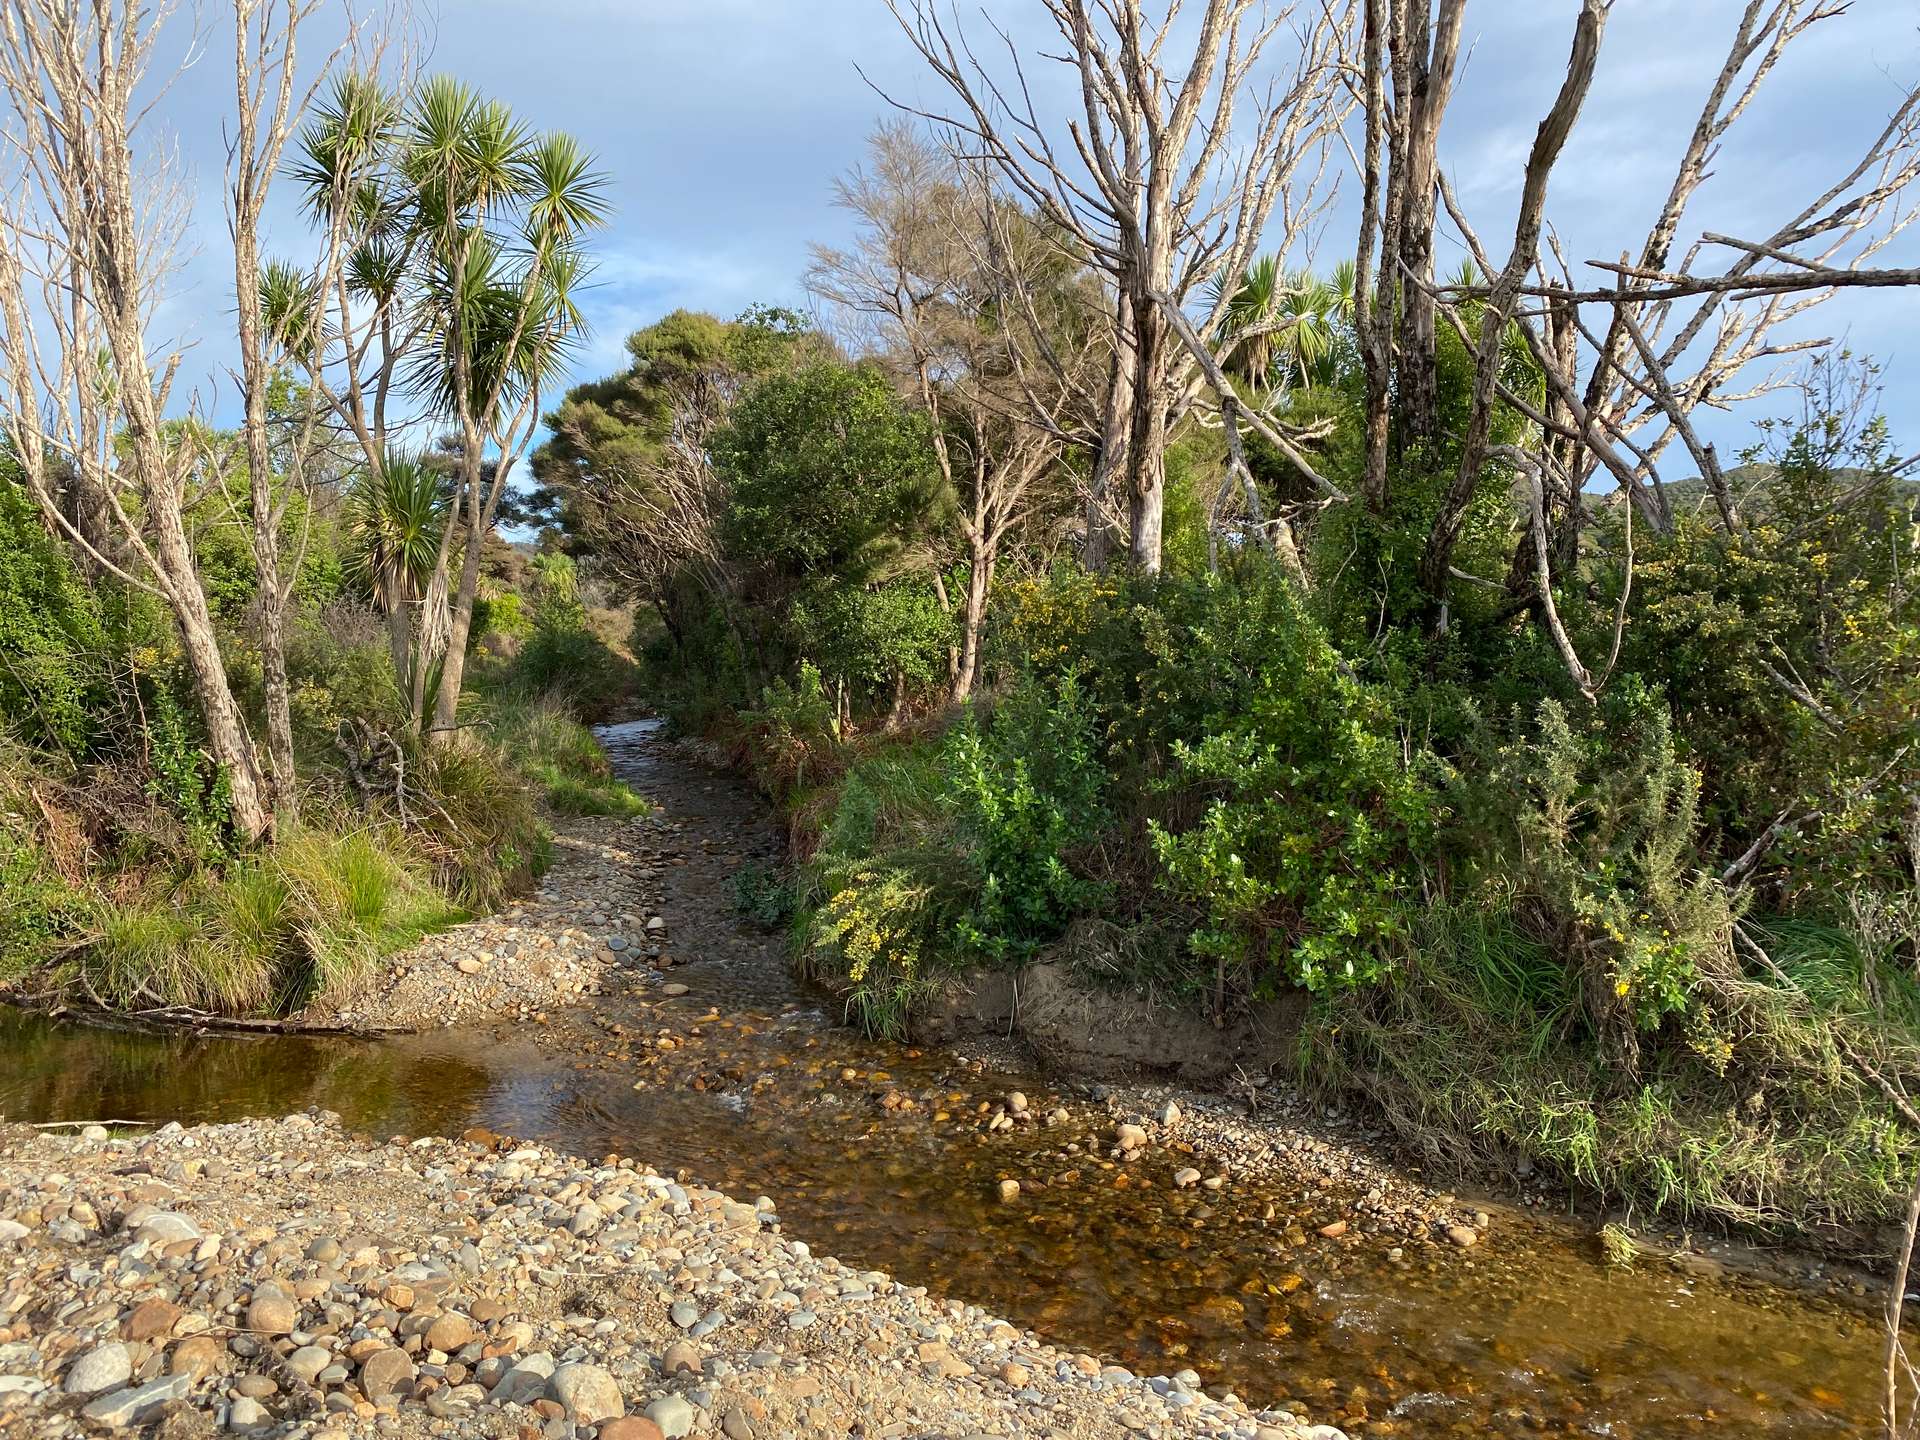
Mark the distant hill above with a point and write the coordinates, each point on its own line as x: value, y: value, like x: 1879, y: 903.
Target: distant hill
x: 1749, y: 485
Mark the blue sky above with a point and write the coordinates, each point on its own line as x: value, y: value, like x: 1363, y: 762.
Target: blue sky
x: 723, y: 124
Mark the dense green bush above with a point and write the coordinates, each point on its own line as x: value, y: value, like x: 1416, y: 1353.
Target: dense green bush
x: 888, y: 643
x: 1026, y: 792
x: 1306, y: 861
x: 881, y: 899
x: 340, y: 668
x: 828, y: 473
x: 1593, y: 831
x: 53, y: 637
x: 186, y: 781
x: 37, y: 908
x: 569, y: 661
x: 561, y: 656
x: 795, y: 733
x: 1285, y: 806
x: 500, y: 617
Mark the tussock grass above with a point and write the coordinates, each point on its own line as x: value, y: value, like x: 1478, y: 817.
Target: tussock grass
x: 543, y: 740
x: 311, y: 915
x: 482, y: 832
x: 355, y: 899
x: 100, y: 894
x: 1477, y: 1053
x: 151, y: 953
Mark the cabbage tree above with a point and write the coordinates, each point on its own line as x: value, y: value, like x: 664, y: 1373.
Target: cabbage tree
x: 454, y: 307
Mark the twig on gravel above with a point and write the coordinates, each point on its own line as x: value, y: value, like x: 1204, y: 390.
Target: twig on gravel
x: 81, y: 1124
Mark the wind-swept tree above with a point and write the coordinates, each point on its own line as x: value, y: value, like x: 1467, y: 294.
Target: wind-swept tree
x: 927, y: 283
x: 629, y: 468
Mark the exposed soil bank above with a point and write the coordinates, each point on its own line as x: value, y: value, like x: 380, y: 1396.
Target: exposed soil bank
x: 1079, y: 1030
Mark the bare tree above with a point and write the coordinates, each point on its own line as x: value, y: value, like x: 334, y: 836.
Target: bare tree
x: 1676, y: 342
x: 1423, y: 47
x: 87, y: 240
x: 929, y: 279
x: 270, y: 103
x: 1496, y: 312
x: 1623, y: 387
x: 1159, y: 181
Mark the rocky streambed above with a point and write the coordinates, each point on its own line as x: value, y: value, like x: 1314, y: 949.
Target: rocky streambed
x: 283, y: 1276
x: 1288, y: 1256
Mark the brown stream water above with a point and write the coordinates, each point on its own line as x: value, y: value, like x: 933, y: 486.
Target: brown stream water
x: 1530, y: 1335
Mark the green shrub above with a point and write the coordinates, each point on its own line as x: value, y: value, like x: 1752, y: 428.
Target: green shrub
x: 795, y: 733
x: 1306, y: 860
x: 186, y: 781
x: 890, y: 643
x: 829, y: 474
x: 698, y: 673
x: 53, y: 637
x: 882, y: 930
x: 1283, y: 805
x: 37, y: 908
x: 761, y: 896
x: 1483, y: 1039
x: 340, y: 668
x: 1594, y: 830
x: 568, y: 661
x: 878, y: 904
x: 502, y: 616
x: 1026, y: 791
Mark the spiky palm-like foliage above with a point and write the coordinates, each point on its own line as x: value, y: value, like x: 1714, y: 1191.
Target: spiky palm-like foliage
x: 396, y: 516
x: 460, y: 232
x: 1279, y: 326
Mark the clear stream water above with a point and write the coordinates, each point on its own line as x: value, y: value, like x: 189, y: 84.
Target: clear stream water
x: 1529, y: 1335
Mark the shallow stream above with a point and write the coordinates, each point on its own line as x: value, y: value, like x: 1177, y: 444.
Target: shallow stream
x: 756, y: 1091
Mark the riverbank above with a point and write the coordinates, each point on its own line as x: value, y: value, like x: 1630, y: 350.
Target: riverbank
x: 1294, y: 1254
x: 283, y: 1276
x: 592, y: 923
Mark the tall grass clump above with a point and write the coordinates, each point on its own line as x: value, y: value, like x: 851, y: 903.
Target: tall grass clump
x: 478, y: 825
x: 356, y: 898
x: 154, y: 953
x: 543, y: 738
x: 1480, y: 1051
x: 311, y: 916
